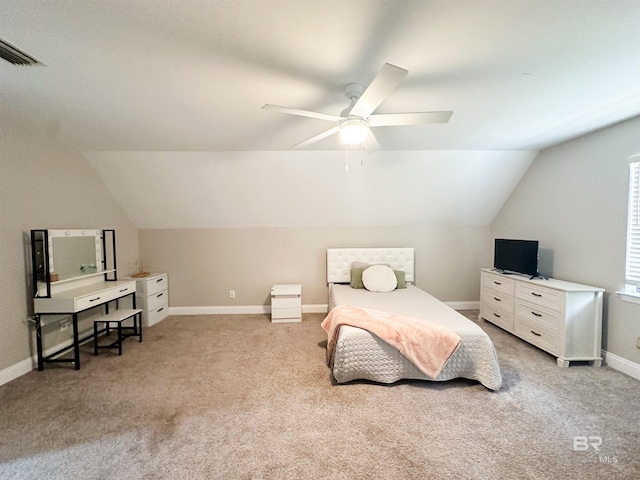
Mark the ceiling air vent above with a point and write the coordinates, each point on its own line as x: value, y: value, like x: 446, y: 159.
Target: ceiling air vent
x: 17, y: 57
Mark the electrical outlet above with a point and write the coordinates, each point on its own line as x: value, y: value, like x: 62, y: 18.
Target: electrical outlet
x: 232, y: 294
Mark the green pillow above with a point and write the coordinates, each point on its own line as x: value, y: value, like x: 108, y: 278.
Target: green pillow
x: 401, y: 277
x: 356, y: 278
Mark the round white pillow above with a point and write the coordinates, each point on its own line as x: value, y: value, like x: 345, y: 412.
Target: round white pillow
x: 379, y: 278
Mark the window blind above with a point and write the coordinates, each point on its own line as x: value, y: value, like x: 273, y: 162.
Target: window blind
x: 632, y: 271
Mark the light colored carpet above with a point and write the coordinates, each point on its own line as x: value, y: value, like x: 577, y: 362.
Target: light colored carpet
x: 236, y: 397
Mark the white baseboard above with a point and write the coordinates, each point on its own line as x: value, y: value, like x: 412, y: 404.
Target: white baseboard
x: 622, y: 364
x: 239, y: 310
x: 16, y: 370
x: 266, y: 309
x: 469, y: 305
x: 28, y: 364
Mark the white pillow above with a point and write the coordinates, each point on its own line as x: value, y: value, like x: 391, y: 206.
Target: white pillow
x: 379, y: 278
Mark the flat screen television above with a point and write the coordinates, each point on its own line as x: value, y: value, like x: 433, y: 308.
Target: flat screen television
x: 516, y: 256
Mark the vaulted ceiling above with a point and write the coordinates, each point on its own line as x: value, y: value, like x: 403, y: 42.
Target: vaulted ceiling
x: 193, y: 74
x: 163, y: 76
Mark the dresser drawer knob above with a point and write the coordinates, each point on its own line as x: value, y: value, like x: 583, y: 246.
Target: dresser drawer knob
x: 535, y: 333
x: 497, y: 299
x: 496, y: 315
x: 536, y: 314
x: 159, y: 280
x: 536, y: 294
x: 94, y: 299
x: 159, y: 295
x: 498, y: 283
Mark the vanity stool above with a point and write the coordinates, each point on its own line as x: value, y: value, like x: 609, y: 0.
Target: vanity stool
x: 114, y: 320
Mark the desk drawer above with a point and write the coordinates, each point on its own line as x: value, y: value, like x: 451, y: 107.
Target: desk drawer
x: 82, y: 303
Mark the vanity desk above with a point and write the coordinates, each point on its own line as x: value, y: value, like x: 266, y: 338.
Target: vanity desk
x: 74, y: 271
x: 72, y: 302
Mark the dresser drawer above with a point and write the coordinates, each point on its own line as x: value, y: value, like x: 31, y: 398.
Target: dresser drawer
x: 536, y: 335
x: 546, y: 319
x: 123, y: 290
x: 152, y: 317
x: 154, y: 284
x: 499, y: 283
x: 539, y: 295
x: 498, y: 317
x: 498, y: 300
x: 158, y: 300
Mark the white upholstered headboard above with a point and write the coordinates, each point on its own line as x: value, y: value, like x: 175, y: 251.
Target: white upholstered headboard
x: 339, y: 261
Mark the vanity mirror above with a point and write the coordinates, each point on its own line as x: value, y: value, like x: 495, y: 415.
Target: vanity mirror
x: 61, y: 256
x: 74, y: 253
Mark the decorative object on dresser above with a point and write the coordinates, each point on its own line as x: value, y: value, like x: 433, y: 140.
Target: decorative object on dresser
x: 561, y: 318
x: 286, y: 303
x: 85, y: 278
x: 152, y: 293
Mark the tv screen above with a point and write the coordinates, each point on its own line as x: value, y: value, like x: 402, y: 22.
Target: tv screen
x: 519, y: 256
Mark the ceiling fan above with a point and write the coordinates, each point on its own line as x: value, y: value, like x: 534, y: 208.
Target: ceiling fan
x: 354, y: 121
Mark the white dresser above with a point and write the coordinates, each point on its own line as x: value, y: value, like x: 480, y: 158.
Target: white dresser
x: 152, y: 296
x: 286, y: 303
x: 562, y: 318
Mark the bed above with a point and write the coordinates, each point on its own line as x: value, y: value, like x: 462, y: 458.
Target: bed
x: 359, y: 354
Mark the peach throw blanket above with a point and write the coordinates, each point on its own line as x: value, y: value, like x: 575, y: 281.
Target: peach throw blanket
x: 427, y: 345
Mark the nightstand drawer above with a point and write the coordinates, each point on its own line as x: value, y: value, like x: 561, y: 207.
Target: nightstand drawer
x: 286, y: 312
x: 285, y: 302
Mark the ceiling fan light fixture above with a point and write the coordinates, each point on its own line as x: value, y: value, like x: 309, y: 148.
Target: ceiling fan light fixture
x: 354, y: 130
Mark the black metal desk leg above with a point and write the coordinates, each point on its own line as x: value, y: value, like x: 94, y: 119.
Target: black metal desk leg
x: 76, y: 342
x: 39, y: 343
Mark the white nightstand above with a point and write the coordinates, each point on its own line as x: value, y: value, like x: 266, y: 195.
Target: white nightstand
x: 286, y: 303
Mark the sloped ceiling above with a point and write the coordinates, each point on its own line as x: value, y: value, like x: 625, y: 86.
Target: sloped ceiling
x: 162, y: 86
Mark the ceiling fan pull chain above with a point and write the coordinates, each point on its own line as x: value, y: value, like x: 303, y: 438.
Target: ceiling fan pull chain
x: 346, y: 158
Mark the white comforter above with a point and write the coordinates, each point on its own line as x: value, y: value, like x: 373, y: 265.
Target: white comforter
x: 361, y: 355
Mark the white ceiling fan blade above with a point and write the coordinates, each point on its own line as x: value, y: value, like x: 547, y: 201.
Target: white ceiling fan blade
x: 378, y: 90
x: 371, y: 144
x: 417, y: 118
x: 318, y: 137
x: 302, y: 113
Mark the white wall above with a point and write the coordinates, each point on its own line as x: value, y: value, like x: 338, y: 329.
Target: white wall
x: 574, y: 200
x: 310, y: 189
